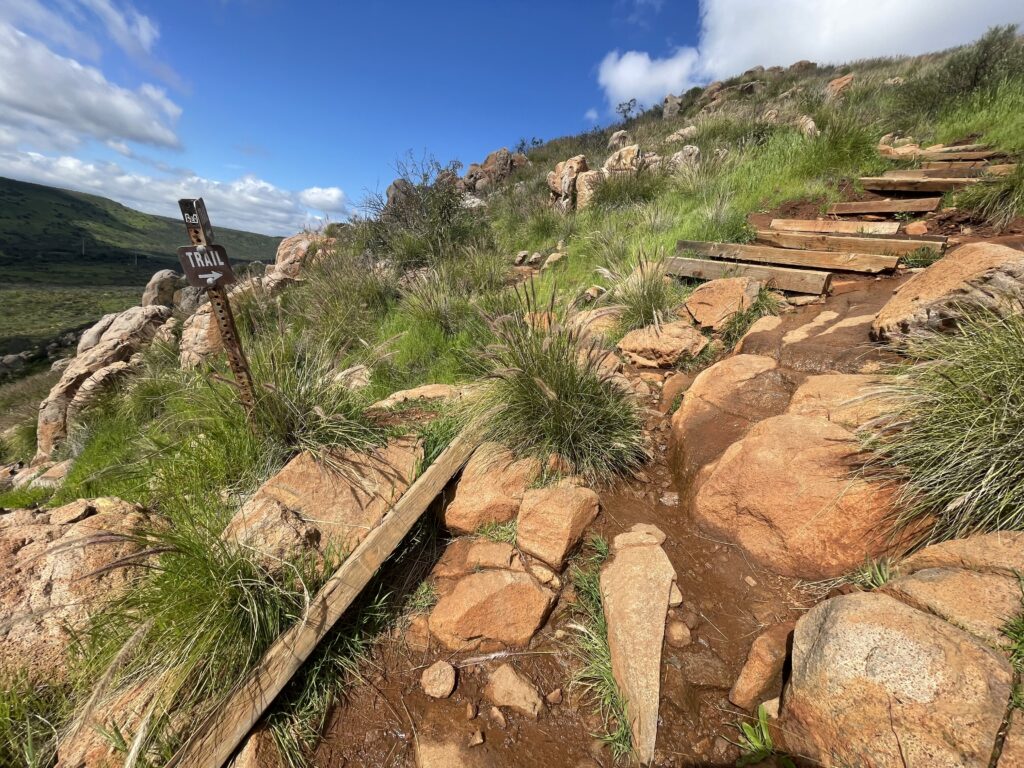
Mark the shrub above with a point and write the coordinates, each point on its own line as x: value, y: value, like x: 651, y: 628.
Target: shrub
x: 640, y: 287
x: 954, y: 434
x: 997, y: 201
x: 547, y: 394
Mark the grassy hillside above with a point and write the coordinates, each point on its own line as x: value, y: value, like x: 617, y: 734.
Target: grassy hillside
x: 42, y: 231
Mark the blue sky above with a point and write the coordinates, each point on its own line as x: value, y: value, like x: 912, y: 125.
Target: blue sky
x: 283, y: 113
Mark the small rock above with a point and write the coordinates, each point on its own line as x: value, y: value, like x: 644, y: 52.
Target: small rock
x: 438, y: 680
x: 476, y: 738
x: 678, y: 634
x: 498, y: 717
x: 552, y: 520
x: 555, y: 697
x: 507, y: 687
x: 751, y: 581
x: 761, y: 676
x: 675, y: 597
x: 916, y: 228
x: 471, y: 710
x: 662, y: 347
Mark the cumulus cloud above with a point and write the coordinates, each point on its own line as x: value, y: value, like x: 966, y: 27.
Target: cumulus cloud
x: 326, y: 199
x: 33, y: 16
x: 635, y: 75
x: 738, y: 34
x: 59, y: 101
x: 591, y: 115
x: 248, y: 203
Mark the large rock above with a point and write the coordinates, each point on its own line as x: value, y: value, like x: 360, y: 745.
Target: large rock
x: 635, y: 590
x: 291, y: 255
x: 491, y: 609
x: 586, y: 185
x: 838, y: 86
x: 789, y: 495
x: 161, y: 288
x: 490, y: 490
x: 200, y: 337
x: 1000, y: 552
x: 425, y: 392
x: 877, y: 683
x: 662, y: 346
x: 507, y: 687
x: 849, y: 399
x: 974, y: 276
x: 120, y: 338
x: 722, y: 403
x: 683, y: 134
x: 715, y: 302
x: 562, y: 181
x: 626, y: 160
x: 618, y: 140
x: 552, y: 520
x: 497, y: 167
x: 52, y: 577
x: 323, y: 508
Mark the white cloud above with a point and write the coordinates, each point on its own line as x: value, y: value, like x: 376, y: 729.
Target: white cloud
x: 58, y: 101
x: 247, y: 203
x: 327, y: 199
x: 635, y: 75
x: 131, y: 30
x: 591, y: 115
x: 33, y: 16
x: 738, y: 34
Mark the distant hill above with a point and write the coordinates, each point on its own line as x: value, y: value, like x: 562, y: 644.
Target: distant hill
x: 43, y: 231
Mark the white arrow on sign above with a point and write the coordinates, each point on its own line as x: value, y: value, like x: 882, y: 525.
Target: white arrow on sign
x: 212, y: 277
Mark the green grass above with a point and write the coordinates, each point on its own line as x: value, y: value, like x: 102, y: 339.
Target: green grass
x: 766, y: 303
x: 621, y: 190
x: 29, y: 716
x: 873, y: 574
x: 1013, y: 630
x: 755, y: 742
x: 546, y: 395
x: 954, y: 434
x: 500, y: 532
x: 921, y: 257
x: 21, y: 498
x: 997, y: 201
x: 589, y: 646
x: 640, y: 288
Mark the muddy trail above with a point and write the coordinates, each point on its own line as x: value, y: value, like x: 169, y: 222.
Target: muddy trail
x: 727, y: 599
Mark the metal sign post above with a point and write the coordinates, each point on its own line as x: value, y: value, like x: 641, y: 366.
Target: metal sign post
x: 206, y: 266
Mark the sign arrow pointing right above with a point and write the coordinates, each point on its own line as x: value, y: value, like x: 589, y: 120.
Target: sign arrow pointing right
x: 212, y: 277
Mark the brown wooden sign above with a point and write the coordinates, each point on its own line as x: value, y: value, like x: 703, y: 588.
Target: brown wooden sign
x: 206, y: 266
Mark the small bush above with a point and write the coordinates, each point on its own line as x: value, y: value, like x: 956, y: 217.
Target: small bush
x: 547, y: 395
x: 997, y: 201
x: 954, y: 435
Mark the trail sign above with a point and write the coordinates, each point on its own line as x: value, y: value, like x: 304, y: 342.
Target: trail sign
x: 206, y: 266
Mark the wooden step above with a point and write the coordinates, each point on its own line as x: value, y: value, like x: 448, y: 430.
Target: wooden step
x: 984, y: 154
x: 915, y: 205
x: 780, y: 278
x: 899, y: 184
x: 834, y: 225
x: 938, y: 165
x: 966, y: 172
x: 847, y: 243
x: 763, y: 254
x: 958, y: 148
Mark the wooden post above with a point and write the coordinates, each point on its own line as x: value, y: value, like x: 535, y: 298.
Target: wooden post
x: 205, y: 254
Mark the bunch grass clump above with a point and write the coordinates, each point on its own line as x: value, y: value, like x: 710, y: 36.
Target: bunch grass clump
x: 547, y: 394
x: 643, y: 290
x: 954, y: 433
x: 997, y: 201
x: 622, y: 190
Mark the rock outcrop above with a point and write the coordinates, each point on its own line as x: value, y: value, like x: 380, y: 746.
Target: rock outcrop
x: 52, y: 577
x: 788, y: 494
x: 323, y: 509
x: 161, y: 288
x: 975, y: 276
x: 111, y: 342
x: 498, y: 166
x: 562, y: 181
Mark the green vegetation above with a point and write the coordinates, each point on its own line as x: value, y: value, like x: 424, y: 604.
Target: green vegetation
x: 639, y: 287
x: 766, y: 303
x: 873, y: 574
x: 1014, y: 632
x: 998, y: 200
x: 34, y: 315
x: 547, y: 394
x: 589, y: 645
x: 955, y: 431
x: 29, y: 716
x: 755, y: 741
x: 503, y: 532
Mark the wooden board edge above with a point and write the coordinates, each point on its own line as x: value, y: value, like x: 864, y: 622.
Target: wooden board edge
x: 217, y: 738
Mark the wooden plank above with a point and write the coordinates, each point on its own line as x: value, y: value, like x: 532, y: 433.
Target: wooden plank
x: 938, y: 165
x: 217, y: 738
x: 899, y: 184
x: 963, y: 172
x: 834, y: 225
x: 846, y: 243
x: 916, y: 205
x: 792, y: 280
x: 1003, y: 169
x: 984, y: 154
x: 957, y: 148
x: 761, y: 254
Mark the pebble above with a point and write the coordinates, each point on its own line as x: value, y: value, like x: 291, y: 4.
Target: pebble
x: 555, y: 697
x: 751, y: 581
x: 476, y: 738
x: 470, y: 710
x: 497, y: 716
x: 678, y: 634
x: 438, y: 680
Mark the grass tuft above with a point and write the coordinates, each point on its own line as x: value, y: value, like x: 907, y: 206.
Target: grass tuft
x: 954, y: 434
x: 997, y: 201
x: 643, y: 291
x: 547, y: 394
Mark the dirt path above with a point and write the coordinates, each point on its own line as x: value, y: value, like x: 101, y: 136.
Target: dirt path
x: 727, y: 601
